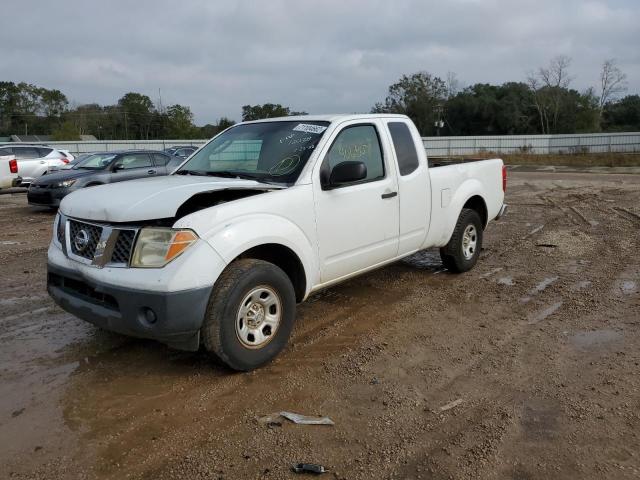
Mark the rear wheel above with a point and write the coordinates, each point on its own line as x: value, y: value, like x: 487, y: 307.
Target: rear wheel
x: 463, y: 249
x: 250, y: 314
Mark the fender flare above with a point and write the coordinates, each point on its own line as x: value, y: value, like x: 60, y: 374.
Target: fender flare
x: 235, y: 236
x: 468, y: 189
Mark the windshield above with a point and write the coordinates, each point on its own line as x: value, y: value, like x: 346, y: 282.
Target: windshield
x: 272, y: 152
x: 95, y: 162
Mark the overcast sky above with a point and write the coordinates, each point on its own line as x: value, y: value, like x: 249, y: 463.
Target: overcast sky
x: 318, y: 56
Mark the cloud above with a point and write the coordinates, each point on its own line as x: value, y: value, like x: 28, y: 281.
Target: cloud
x: 329, y: 56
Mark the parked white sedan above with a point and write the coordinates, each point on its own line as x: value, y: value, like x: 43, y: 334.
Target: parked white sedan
x: 34, y: 160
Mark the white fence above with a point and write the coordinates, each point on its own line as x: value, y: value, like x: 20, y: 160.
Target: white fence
x: 628, y: 142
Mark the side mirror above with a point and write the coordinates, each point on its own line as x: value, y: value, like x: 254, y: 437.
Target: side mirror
x: 343, y: 173
x: 117, y: 167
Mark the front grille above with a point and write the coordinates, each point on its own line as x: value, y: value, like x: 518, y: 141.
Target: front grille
x: 84, y: 238
x: 123, y: 246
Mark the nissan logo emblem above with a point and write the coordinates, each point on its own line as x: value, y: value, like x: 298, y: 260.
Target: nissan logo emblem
x: 81, y: 240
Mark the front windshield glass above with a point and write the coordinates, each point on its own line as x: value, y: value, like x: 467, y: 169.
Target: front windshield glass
x: 272, y: 152
x: 97, y: 161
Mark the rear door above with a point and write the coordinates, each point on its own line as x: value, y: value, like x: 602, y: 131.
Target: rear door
x: 357, y: 224
x: 133, y: 165
x: 413, y: 185
x: 160, y: 161
x: 30, y: 164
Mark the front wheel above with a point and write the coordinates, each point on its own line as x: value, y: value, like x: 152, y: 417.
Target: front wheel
x: 250, y: 314
x: 463, y: 249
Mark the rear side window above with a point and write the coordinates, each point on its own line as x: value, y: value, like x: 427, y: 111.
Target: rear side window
x: 160, y: 160
x: 404, y: 146
x: 359, y: 143
x: 46, y: 151
x: 25, y: 153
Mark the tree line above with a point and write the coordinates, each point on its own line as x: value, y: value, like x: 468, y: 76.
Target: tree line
x: 544, y: 102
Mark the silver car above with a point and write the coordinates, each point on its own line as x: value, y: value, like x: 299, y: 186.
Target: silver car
x: 34, y: 160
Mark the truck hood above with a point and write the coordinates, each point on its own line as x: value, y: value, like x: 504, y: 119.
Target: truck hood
x: 148, y: 198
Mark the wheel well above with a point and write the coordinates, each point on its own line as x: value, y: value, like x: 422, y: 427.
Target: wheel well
x: 286, y: 259
x: 477, y: 203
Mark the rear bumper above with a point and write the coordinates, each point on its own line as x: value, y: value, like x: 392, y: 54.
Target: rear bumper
x: 172, y: 318
x: 503, y: 210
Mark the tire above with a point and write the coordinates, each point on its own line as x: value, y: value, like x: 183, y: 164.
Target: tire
x: 247, y: 339
x: 462, y: 252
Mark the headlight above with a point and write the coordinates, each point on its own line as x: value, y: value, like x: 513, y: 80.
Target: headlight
x: 156, y: 247
x: 65, y: 184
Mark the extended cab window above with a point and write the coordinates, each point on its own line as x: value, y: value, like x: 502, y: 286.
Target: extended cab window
x: 358, y: 143
x: 404, y: 146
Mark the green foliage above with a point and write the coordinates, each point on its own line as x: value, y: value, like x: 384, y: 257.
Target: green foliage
x: 267, y: 110
x: 624, y: 115
x: 508, y: 109
x: 418, y: 95
x: 68, y: 131
x: 180, y: 122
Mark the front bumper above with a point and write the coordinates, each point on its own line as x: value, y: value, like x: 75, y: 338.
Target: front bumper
x: 44, y: 196
x: 172, y: 318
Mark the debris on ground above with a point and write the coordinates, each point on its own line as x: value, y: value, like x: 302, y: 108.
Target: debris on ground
x: 309, y: 468
x: 451, y: 405
x: 274, y: 419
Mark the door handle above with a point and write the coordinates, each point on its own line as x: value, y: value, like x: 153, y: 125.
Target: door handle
x: 151, y: 172
x: 389, y: 195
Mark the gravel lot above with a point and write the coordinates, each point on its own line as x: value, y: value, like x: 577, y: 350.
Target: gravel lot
x: 540, y: 343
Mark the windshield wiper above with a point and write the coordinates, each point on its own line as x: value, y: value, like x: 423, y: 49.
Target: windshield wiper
x: 192, y: 172
x: 234, y: 174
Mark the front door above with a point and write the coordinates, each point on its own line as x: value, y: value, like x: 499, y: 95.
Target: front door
x: 133, y: 165
x: 357, y: 224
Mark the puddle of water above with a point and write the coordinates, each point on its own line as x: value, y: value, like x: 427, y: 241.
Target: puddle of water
x: 594, y: 339
x: 425, y: 259
x: 491, y: 272
x: 538, y: 288
x: 628, y: 287
x: 540, y: 419
x: 550, y: 310
x: 506, y: 281
x: 581, y: 285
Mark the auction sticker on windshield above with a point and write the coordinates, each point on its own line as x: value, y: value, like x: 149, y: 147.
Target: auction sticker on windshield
x: 305, y: 127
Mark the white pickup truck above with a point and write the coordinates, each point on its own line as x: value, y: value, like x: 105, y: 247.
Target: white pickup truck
x: 8, y: 171
x: 266, y: 213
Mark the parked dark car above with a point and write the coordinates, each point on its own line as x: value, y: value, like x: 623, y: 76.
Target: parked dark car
x: 181, y: 151
x: 98, y: 169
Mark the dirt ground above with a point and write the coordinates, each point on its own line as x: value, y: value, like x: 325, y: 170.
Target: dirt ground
x: 538, y: 347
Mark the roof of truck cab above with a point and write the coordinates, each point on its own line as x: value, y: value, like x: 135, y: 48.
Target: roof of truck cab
x: 330, y: 117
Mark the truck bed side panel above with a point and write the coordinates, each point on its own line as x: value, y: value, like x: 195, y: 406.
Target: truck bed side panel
x: 452, y: 186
